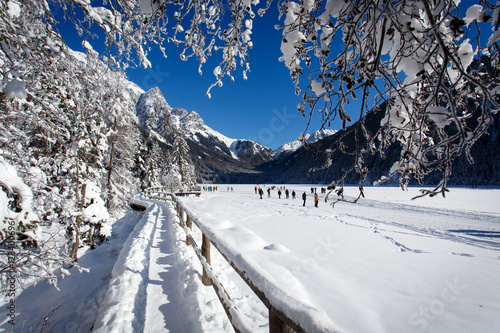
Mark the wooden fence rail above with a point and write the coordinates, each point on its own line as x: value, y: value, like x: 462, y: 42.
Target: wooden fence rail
x: 164, y: 193
x: 278, y: 321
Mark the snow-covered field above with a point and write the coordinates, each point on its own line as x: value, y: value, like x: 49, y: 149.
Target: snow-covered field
x: 385, y: 264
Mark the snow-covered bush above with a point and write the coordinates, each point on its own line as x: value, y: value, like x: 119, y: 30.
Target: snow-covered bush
x: 27, y: 253
x: 18, y: 222
x: 95, y: 215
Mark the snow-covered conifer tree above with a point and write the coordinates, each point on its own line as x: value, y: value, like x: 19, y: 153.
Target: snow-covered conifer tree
x: 153, y: 164
x: 181, y: 173
x: 54, y: 125
x: 139, y: 169
x: 123, y: 138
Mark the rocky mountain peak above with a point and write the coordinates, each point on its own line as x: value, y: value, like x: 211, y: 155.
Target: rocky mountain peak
x: 179, y: 112
x: 153, y: 111
x: 212, y: 152
x: 193, y: 121
x: 296, y: 144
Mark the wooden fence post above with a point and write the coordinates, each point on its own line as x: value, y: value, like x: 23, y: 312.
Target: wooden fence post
x: 276, y: 325
x: 205, y: 252
x: 189, y: 224
x: 181, y: 217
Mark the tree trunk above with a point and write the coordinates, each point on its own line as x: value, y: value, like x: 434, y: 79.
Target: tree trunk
x: 110, y: 168
x: 76, y: 244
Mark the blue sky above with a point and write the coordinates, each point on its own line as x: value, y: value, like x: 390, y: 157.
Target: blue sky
x: 262, y: 108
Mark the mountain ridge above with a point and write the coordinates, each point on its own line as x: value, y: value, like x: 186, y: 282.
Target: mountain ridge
x: 220, y: 159
x: 214, y: 154
x: 154, y: 112
x: 291, y: 146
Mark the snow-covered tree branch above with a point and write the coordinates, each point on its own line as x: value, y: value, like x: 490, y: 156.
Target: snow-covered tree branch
x: 430, y: 64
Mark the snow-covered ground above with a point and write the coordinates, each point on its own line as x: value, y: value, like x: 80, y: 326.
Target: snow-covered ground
x: 74, y: 307
x: 385, y: 264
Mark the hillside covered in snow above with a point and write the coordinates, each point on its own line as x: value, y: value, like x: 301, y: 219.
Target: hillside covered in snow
x: 296, y: 144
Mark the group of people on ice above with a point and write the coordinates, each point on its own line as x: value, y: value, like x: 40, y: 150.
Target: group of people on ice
x: 260, y: 191
x: 314, y: 189
x: 210, y: 188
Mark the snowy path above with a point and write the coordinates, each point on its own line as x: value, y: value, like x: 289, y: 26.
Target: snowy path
x: 174, y: 290
x: 156, y: 283
x: 386, y: 264
x: 74, y: 307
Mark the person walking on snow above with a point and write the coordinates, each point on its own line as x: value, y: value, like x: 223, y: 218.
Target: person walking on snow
x: 316, y: 199
x: 287, y: 193
x: 279, y: 194
x: 261, y: 192
x: 304, y: 196
x: 268, y: 192
x: 293, y: 194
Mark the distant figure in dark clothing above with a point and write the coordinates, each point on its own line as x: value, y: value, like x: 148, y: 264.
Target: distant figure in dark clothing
x: 279, y: 194
x: 287, y: 193
x: 261, y: 193
x: 293, y: 194
x: 304, y: 196
x: 255, y: 189
x: 268, y: 192
x: 316, y: 199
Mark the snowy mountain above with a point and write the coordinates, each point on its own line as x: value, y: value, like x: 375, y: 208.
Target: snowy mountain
x: 154, y: 113
x: 292, y: 146
x: 218, y: 158
x: 215, y: 156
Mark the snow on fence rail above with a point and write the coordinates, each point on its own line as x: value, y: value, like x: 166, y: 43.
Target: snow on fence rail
x: 286, y: 314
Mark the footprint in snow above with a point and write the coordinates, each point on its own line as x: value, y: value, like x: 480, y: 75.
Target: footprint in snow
x: 461, y: 254
x: 277, y: 248
x: 401, y: 247
x: 374, y: 229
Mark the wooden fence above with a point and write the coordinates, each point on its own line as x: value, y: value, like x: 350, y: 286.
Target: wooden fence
x: 164, y: 193
x: 278, y: 321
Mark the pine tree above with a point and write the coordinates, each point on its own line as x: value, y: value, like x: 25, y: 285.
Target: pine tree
x: 123, y: 138
x: 56, y: 108
x: 181, y: 174
x: 139, y: 169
